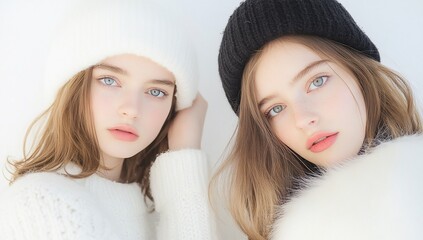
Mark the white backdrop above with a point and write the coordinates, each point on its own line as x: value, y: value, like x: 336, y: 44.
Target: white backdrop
x: 396, y: 27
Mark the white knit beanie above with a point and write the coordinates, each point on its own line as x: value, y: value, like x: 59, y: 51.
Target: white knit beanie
x: 98, y: 29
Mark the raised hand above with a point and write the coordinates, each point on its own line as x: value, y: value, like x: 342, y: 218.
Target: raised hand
x: 186, y: 130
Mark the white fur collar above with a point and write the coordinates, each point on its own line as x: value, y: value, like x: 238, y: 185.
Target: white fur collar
x: 374, y: 196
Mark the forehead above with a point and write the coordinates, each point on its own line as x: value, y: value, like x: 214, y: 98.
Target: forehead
x: 139, y: 66
x: 282, y: 61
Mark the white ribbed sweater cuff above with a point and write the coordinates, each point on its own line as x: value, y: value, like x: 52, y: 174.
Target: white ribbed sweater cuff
x: 179, y: 175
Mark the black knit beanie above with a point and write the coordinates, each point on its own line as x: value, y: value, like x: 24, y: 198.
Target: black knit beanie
x: 257, y: 22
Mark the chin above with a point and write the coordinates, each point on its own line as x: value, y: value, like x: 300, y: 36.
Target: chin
x: 329, y: 161
x: 118, y: 153
x: 126, y: 155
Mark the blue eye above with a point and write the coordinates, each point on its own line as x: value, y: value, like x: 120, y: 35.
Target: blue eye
x: 156, y: 93
x: 108, y: 81
x: 317, y: 83
x: 275, y: 111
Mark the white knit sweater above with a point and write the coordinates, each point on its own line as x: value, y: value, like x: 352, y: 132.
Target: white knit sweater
x: 50, y: 205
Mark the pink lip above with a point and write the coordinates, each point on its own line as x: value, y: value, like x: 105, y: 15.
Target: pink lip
x: 124, y: 133
x: 321, y: 145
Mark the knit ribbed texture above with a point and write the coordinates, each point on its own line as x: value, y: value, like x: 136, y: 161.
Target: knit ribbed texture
x: 257, y: 22
x: 51, y: 206
x: 178, y: 179
x: 98, y: 29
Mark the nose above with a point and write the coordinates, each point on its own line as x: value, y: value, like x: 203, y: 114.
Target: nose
x: 129, y: 105
x: 305, y: 116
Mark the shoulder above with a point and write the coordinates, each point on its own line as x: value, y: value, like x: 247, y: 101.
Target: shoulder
x: 45, y: 183
x: 54, y: 184
x: 406, y: 147
x: 388, y: 161
x: 41, y: 204
x: 47, y: 190
x: 374, y: 196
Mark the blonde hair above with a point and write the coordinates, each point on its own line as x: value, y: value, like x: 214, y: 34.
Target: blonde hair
x: 67, y: 135
x: 263, y: 172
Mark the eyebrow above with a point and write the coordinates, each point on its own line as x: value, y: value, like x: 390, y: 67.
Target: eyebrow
x: 299, y: 75
x: 111, y: 68
x: 309, y: 68
x: 163, y: 82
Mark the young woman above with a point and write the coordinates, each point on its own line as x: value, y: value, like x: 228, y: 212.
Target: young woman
x: 118, y: 153
x: 325, y: 131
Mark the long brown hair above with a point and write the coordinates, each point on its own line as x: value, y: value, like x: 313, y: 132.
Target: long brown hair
x: 65, y: 133
x: 262, y: 172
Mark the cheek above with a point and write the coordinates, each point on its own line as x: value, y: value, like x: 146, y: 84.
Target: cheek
x: 335, y: 105
x: 349, y: 106
x: 100, y: 103
x: 350, y: 98
x: 155, y: 114
x: 285, y: 131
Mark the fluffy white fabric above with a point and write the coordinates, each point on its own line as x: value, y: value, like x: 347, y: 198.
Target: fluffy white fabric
x: 374, y: 196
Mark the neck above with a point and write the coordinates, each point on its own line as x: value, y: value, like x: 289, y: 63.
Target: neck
x: 111, y: 168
